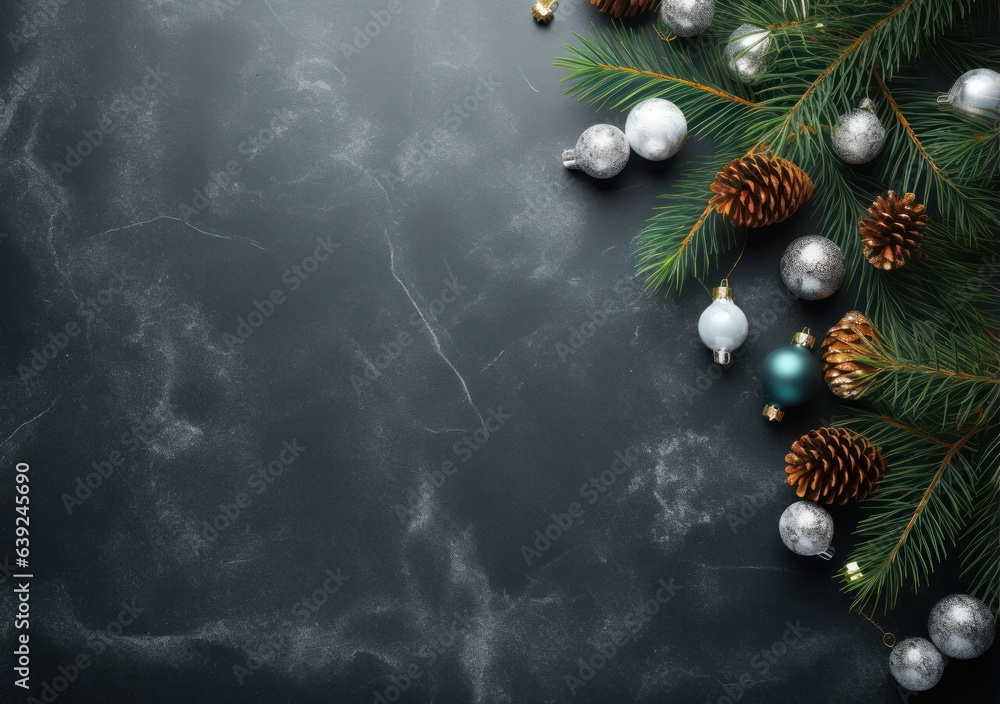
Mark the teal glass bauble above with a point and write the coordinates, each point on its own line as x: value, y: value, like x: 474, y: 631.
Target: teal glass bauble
x: 790, y: 376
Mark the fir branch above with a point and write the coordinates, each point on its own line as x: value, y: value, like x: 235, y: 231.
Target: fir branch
x: 922, y: 506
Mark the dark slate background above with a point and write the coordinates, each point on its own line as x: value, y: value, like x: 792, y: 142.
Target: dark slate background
x: 412, y: 193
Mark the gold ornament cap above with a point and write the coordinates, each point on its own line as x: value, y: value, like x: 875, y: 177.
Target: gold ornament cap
x: 804, y: 338
x: 773, y: 413
x: 544, y: 10
x: 723, y: 291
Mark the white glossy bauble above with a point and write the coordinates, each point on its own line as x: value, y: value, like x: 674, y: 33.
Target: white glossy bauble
x: 723, y: 328
x: 656, y: 129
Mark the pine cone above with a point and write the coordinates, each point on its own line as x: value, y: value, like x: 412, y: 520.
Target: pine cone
x: 624, y: 8
x: 890, y: 235
x: 833, y: 465
x: 759, y: 190
x: 844, y: 344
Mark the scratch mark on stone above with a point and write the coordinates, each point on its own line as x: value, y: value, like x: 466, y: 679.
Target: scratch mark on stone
x: 434, y: 338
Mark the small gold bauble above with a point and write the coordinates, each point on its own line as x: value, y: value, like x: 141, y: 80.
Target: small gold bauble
x: 543, y: 11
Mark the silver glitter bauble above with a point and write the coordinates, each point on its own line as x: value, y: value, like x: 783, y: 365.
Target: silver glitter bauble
x: 746, y: 52
x: 602, y: 152
x: 976, y: 92
x: 656, y: 129
x: 806, y: 528
x: 859, y: 135
x: 812, y: 268
x: 687, y: 18
x: 961, y: 626
x: 916, y: 664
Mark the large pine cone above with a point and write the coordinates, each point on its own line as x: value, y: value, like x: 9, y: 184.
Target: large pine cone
x: 759, y: 190
x: 833, y: 465
x: 844, y: 346
x: 624, y: 8
x: 890, y: 234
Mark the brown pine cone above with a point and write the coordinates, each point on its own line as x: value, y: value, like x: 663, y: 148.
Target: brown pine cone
x: 759, y: 190
x: 624, y: 8
x: 890, y: 234
x: 844, y: 346
x: 833, y: 465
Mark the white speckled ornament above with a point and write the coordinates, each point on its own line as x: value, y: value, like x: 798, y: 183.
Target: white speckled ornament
x: 601, y: 151
x: 859, y: 135
x: 961, y: 626
x: 656, y: 129
x: 812, y: 267
x: 916, y: 664
x: 687, y: 18
x: 806, y: 528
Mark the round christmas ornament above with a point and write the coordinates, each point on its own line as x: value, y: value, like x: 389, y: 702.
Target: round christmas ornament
x: 656, y: 129
x: 859, y: 135
x: 845, y: 348
x: 916, y: 664
x: 891, y: 232
x: 976, y: 92
x: 807, y: 529
x: 961, y: 626
x: 624, y: 8
x: 812, y: 268
x: 746, y: 52
x: 833, y: 465
x: 759, y: 190
x: 790, y: 375
x: 544, y: 10
x: 687, y: 18
x: 723, y: 326
x: 602, y: 152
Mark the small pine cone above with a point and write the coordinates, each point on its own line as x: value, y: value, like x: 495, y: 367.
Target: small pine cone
x: 759, y: 190
x: 843, y: 347
x: 624, y: 8
x: 890, y: 235
x: 833, y: 465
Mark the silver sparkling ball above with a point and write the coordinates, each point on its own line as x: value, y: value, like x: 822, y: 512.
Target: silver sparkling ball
x: 812, y: 268
x: 976, y: 92
x: 656, y: 129
x: 602, y: 152
x: 859, y: 135
x: 916, y: 664
x: 961, y: 626
x: 806, y: 528
x: 687, y: 18
x: 746, y: 52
